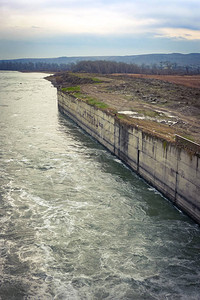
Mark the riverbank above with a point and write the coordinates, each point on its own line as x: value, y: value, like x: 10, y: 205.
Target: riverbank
x: 157, y: 106
x: 153, y: 149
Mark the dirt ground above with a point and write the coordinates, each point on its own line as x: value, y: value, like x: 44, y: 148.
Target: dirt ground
x: 164, y: 105
x: 189, y: 81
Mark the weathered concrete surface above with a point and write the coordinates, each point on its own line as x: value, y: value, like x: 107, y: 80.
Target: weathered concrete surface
x: 169, y: 168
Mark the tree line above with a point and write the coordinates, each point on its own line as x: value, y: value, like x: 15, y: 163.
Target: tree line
x: 101, y: 67
x: 110, y: 67
x: 33, y: 66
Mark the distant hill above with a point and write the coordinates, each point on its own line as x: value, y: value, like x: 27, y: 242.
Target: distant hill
x: 178, y: 58
x: 175, y: 63
x: 147, y: 59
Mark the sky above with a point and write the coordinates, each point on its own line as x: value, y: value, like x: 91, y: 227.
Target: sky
x: 54, y: 28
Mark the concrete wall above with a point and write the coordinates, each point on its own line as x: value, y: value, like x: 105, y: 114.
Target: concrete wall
x: 168, y: 167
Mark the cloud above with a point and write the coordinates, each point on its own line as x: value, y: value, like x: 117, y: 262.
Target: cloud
x: 180, y: 33
x: 96, y: 19
x: 23, y: 20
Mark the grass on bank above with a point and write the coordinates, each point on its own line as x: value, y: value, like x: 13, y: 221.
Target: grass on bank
x: 96, y: 80
x: 88, y: 76
x: 76, y: 91
x: 72, y: 89
x: 94, y: 102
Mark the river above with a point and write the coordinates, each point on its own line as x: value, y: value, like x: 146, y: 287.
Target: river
x: 75, y: 222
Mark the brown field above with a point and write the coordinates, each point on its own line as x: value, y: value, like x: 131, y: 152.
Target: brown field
x: 190, y: 81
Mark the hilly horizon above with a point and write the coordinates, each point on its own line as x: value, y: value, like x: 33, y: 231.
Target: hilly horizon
x: 147, y: 59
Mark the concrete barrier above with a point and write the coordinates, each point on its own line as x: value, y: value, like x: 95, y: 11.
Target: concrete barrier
x: 169, y: 167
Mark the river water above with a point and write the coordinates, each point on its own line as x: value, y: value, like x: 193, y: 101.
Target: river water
x: 75, y: 223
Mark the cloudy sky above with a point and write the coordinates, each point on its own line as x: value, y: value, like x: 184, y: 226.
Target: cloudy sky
x: 52, y: 28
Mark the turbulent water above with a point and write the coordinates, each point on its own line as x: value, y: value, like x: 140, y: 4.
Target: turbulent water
x: 75, y: 223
